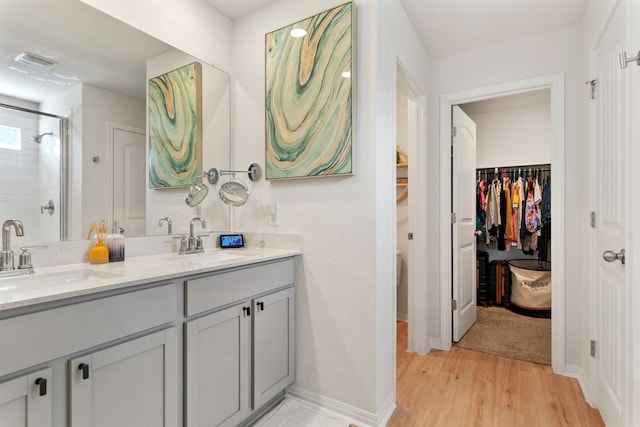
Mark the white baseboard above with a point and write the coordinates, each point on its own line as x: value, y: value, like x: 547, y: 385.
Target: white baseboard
x: 434, y: 344
x: 387, y: 410
x: 577, y: 372
x: 363, y: 418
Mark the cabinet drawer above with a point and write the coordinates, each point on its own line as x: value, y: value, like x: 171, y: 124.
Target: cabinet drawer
x: 217, y: 290
x: 47, y: 335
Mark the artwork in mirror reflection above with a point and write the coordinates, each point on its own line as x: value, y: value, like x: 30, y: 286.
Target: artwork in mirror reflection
x: 175, y: 127
x: 309, y: 97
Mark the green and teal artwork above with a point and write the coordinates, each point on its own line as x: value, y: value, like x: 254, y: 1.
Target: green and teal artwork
x: 309, y: 97
x: 175, y: 127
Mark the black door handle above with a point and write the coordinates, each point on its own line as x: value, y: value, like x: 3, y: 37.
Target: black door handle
x: 247, y: 310
x: 84, y: 367
x: 42, y: 383
x: 260, y: 305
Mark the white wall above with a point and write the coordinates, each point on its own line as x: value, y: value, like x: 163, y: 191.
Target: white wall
x: 346, y: 285
x: 513, y: 137
x: 336, y: 287
x: 99, y: 107
x: 540, y: 54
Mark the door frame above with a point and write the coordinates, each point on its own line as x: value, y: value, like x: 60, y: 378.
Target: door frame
x: 554, y: 82
x: 418, y: 295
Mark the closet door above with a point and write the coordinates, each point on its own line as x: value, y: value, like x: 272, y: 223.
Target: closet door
x: 464, y: 225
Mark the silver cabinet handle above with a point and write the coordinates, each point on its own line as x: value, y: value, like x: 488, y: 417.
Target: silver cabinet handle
x: 611, y: 256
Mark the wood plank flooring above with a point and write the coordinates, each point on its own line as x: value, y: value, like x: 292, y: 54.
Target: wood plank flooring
x: 466, y: 388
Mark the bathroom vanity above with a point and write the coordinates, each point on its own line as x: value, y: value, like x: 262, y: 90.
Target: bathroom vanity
x: 162, y: 340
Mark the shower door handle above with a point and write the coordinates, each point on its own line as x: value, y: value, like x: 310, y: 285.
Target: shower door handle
x: 611, y: 256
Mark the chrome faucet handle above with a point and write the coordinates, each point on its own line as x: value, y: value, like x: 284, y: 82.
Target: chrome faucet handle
x: 25, y: 257
x: 199, y: 246
x: 183, y: 244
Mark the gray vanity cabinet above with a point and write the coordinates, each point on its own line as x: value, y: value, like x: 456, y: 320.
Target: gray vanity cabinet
x: 132, y: 384
x: 129, y: 346
x: 273, y: 345
x: 218, y: 365
x: 239, y: 343
x: 26, y: 401
x: 220, y: 343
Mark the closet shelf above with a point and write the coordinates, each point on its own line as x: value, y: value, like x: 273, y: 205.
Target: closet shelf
x: 402, y: 161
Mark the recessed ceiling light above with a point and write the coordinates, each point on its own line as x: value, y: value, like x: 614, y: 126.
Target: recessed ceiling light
x: 298, y: 32
x: 346, y: 74
x: 36, y: 61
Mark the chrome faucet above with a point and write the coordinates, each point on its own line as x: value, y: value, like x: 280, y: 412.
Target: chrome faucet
x: 6, y: 256
x: 193, y: 244
x: 169, y: 224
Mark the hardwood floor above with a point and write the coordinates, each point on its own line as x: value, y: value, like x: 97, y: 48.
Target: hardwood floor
x: 466, y: 388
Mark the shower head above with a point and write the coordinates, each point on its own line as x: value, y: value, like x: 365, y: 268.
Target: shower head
x: 38, y: 138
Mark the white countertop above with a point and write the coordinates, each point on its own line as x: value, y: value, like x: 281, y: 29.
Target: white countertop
x: 66, y: 281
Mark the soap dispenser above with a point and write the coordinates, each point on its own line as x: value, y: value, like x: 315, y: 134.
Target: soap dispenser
x: 114, y: 241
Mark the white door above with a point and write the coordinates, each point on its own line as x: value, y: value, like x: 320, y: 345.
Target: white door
x: 610, y: 150
x: 464, y: 225
x: 129, y: 179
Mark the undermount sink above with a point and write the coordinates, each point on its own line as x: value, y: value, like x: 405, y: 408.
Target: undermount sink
x: 56, y: 279
x: 206, y: 257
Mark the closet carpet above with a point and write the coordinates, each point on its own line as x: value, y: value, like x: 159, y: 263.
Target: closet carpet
x: 503, y: 333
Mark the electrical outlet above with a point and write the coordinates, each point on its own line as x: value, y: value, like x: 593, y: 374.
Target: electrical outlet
x: 274, y: 217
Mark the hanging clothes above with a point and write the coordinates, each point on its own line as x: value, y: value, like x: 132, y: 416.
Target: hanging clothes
x: 480, y: 213
x: 508, y: 223
x: 493, y: 208
x: 503, y: 214
x: 515, y: 209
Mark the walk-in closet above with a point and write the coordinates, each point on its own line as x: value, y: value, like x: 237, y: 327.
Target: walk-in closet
x: 513, y: 226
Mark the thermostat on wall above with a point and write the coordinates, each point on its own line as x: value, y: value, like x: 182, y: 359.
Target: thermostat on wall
x: 231, y: 241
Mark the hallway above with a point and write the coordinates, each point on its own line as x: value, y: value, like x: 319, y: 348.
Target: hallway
x: 464, y: 388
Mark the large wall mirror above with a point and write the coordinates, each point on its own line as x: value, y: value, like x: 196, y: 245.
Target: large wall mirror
x: 73, y: 145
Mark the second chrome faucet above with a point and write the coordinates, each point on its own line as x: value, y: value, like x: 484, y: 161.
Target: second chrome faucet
x: 193, y: 244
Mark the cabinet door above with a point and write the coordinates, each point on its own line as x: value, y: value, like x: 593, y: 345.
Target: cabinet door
x: 133, y: 384
x: 217, y: 359
x: 26, y: 401
x: 273, y: 345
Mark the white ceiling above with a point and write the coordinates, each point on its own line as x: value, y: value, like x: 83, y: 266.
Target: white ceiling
x: 235, y: 9
x: 450, y: 26
x: 97, y: 53
x: 525, y: 99
x: 88, y: 45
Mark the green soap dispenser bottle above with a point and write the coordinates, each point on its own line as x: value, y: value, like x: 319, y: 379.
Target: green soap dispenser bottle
x: 114, y: 241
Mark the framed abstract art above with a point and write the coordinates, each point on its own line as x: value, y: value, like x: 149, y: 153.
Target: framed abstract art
x: 309, y: 97
x: 175, y: 127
